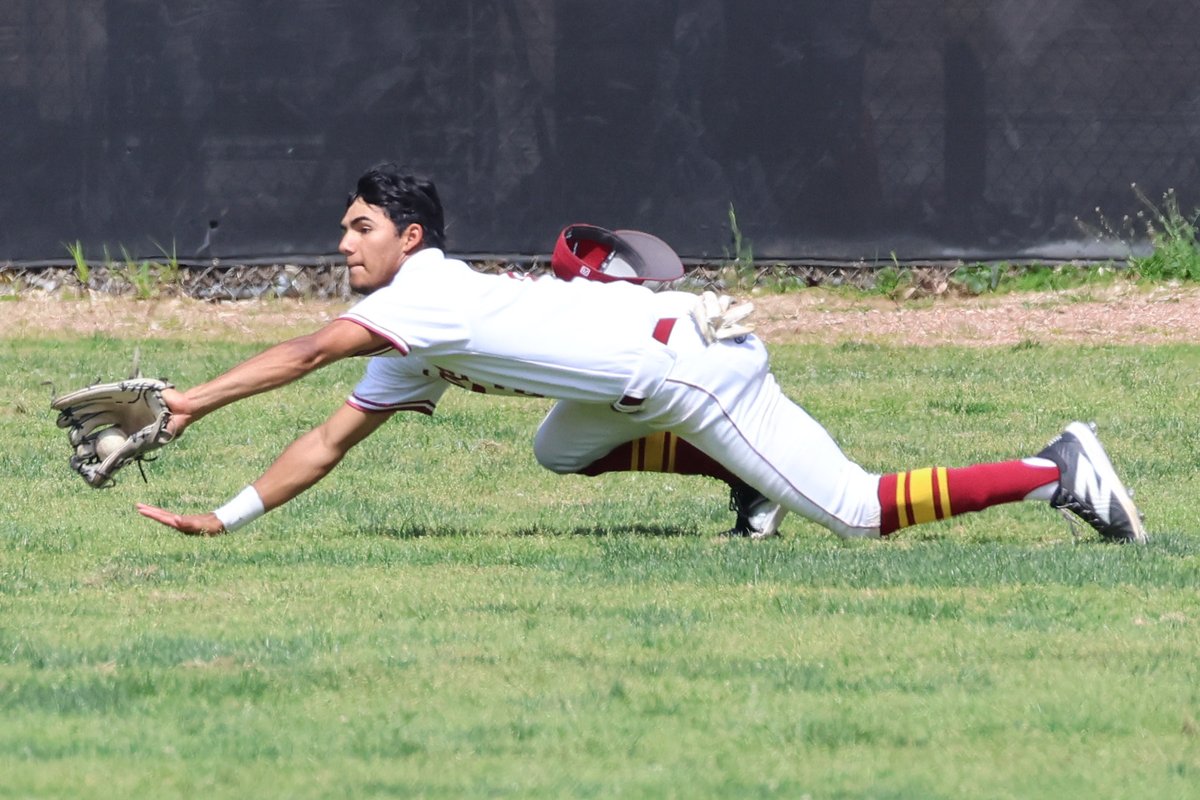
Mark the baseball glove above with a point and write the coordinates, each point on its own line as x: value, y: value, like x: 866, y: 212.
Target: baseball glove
x: 112, y: 424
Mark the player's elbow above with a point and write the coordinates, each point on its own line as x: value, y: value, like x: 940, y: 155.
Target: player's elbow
x: 308, y: 354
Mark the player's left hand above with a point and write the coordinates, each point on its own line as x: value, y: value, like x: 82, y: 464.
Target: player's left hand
x: 190, y: 524
x: 181, y: 411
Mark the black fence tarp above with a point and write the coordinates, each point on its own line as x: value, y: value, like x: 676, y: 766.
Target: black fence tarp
x: 850, y: 129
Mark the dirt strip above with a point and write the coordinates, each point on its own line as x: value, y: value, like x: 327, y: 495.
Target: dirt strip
x: 1119, y: 314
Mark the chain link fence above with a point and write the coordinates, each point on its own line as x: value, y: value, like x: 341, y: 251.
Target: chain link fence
x: 326, y: 280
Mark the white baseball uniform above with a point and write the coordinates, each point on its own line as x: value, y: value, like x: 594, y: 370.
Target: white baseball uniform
x: 622, y: 360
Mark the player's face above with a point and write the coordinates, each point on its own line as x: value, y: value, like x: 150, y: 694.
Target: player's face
x: 373, y: 248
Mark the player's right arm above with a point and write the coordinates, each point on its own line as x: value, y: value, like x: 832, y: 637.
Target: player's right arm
x: 305, y: 461
x: 275, y: 367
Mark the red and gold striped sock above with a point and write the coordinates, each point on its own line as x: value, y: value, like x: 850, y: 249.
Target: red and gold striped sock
x: 659, y: 452
x: 933, y: 493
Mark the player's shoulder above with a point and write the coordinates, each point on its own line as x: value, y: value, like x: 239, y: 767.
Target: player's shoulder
x: 429, y: 261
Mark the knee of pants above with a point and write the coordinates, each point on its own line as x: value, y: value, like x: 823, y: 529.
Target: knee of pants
x: 559, y: 466
x: 850, y: 505
x: 847, y: 531
x: 553, y: 458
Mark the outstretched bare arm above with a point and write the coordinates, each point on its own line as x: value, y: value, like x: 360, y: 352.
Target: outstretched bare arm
x: 274, y: 367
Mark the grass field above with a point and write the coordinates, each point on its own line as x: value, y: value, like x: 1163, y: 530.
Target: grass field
x: 441, y: 618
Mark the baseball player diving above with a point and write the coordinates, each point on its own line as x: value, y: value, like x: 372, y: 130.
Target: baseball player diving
x: 666, y: 381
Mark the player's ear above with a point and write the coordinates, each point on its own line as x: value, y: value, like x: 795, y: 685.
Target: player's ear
x: 412, y: 237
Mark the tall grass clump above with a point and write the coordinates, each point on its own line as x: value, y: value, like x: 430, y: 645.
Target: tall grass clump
x: 170, y: 272
x: 139, y: 274
x: 145, y: 278
x: 742, y: 273
x: 739, y: 271
x: 83, y: 270
x: 1172, y: 234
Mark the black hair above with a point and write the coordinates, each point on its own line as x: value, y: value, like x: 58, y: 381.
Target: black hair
x: 406, y: 199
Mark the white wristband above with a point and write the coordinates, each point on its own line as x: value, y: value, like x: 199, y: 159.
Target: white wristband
x: 244, y: 508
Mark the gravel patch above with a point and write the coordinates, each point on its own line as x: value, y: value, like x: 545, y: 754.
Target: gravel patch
x: 1118, y: 314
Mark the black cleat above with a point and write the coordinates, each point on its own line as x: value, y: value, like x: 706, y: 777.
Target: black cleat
x: 1088, y: 485
x: 757, y: 517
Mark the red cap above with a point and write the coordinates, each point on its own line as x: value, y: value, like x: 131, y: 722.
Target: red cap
x: 597, y: 254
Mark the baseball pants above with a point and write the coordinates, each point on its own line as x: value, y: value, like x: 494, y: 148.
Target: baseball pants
x: 723, y: 399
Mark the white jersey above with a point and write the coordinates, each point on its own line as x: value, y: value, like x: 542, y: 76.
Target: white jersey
x: 597, y: 347
x: 506, y: 334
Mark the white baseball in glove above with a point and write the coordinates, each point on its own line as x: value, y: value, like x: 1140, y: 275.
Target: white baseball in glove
x: 111, y: 424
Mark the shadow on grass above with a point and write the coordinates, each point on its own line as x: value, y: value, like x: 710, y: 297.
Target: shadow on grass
x: 656, y: 531
x: 422, y: 531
